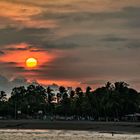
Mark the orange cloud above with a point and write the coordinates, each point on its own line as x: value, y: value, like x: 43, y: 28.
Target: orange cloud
x: 65, y: 83
x: 22, y: 14
x: 21, y: 52
x: 17, y: 11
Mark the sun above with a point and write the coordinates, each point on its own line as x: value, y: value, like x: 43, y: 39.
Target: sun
x: 31, y: 62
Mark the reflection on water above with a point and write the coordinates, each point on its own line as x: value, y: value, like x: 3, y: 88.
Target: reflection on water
x: 61, y: 135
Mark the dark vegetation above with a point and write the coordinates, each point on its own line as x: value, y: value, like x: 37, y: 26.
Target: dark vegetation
x: 110, y: 102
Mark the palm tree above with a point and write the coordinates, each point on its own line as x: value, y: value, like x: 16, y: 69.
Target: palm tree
x: 62, y: 90
x: 88, y: 89
x: 79, y: 92
x: 72, y: 93
x: 3, y: 96
x: 4, y: 109
x: 49, y: 92
x: 17, y: 99
x: 36, y: 97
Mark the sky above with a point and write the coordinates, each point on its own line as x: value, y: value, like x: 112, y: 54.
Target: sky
x: 76, y: 42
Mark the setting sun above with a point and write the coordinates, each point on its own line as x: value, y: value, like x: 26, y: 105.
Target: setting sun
x: 31, y: 62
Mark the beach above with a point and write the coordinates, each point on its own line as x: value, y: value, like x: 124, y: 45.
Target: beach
x: 18, y: 134
x: 68, y: 130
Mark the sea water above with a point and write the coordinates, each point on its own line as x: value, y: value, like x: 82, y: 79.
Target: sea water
x: 14, y: 134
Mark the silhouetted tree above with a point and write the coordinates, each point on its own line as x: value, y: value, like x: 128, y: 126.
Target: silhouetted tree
x: 109, y: 102
x: 3, y: 96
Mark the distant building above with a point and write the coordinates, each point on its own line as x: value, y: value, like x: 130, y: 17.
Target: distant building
x: 133, y: 117
x: 54, y: 88
x: 57, y: 95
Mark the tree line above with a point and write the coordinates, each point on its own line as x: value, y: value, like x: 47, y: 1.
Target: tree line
x: 114, y: 100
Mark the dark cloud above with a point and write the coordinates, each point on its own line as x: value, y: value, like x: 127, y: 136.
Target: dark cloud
x: 125, y: 13
x: 133, y: 44
x: 32, y: 36
x: 135, y: 23
x: 11, y: 68
x: 8, y: 64
x: 1, y: 53
x: 7, y: 85
x: 37, y: 50
x: 16, y: 49
x: 114, y: 39
x: 80, y: 40
x: 45, y: 38
x: 94, y: 82
x: 101, y: 28
x: 14, y: 35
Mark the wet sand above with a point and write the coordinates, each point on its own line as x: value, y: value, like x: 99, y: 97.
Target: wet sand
x: 102, y: 127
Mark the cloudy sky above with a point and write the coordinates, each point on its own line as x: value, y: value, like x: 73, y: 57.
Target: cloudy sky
x: 76, y: 42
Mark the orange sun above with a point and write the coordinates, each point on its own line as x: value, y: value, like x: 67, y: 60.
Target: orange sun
x: 31, y: 62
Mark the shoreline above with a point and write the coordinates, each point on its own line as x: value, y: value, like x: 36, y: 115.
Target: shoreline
x: 102, y: 127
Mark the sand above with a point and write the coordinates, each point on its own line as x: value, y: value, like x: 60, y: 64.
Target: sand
x: 68, y: 130
x: 14, y: 134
